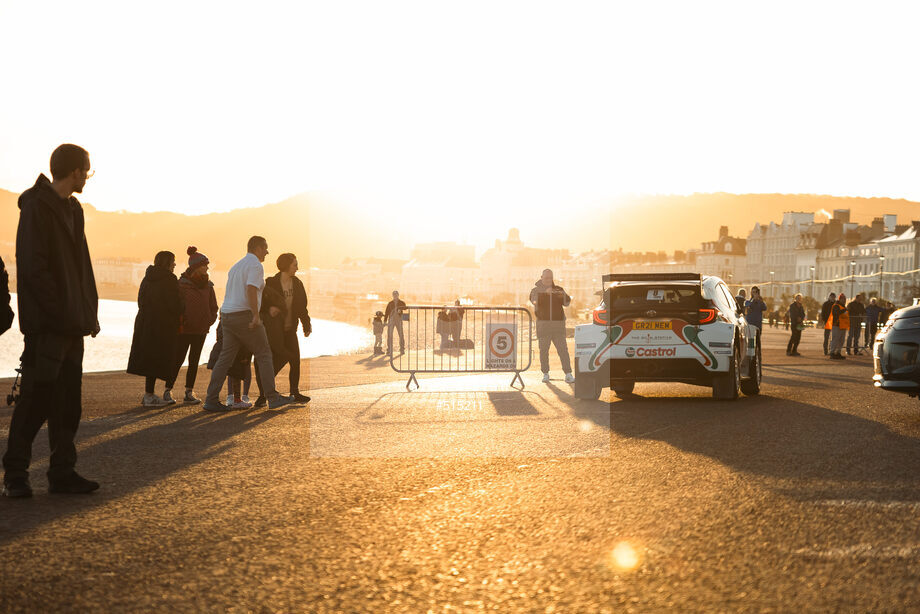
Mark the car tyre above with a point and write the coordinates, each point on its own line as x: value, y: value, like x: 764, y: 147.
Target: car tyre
x: 587, y: 385
x: 751, y: 386
x: 727, y: 386
x: 623, y: 389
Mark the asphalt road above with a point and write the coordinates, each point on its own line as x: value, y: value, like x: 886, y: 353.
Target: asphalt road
x: 467, y: 495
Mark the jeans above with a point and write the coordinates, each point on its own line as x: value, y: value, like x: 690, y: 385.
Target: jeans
x: 236, y: 334
x: 553, y: 332
x: 191, y: 344
x: 396, y: 322
x: 837, y: 337
x: 827, y: 339
x: 52, y: 377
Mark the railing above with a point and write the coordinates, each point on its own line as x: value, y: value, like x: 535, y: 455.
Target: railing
x: 456, y: 339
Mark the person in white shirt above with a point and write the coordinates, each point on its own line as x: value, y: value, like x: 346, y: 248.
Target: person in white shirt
x: 242, y: 326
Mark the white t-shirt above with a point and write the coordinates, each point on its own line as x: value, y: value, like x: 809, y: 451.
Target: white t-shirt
x: 246, y: 272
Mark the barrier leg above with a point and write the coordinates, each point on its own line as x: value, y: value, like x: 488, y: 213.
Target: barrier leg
x: 412, y: 379
x: 517, y: 377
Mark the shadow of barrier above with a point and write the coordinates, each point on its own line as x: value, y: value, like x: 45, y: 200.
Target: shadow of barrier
x: 457, y: 339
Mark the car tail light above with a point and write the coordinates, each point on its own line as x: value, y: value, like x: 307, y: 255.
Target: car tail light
x: 707, y: 316
x: 601, y: 317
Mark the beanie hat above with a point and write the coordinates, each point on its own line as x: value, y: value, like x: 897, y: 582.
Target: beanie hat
x: 196, y: 258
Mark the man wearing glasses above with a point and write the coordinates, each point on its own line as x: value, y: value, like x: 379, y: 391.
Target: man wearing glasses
x: 57, y: 308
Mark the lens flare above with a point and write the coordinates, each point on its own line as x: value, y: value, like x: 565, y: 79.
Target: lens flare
x: 625, y: 557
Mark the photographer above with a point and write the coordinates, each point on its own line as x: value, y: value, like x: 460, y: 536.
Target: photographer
x: 549, y: 301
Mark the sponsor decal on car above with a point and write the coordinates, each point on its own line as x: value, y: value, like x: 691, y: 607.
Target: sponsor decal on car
x: 585, y: 346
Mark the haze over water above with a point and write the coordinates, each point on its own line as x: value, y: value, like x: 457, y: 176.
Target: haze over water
x: 109, y: 351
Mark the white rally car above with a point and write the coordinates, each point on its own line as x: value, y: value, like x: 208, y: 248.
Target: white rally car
x: 680, y: 327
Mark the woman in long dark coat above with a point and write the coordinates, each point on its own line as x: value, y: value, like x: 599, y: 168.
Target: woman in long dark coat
x: 156, y: 328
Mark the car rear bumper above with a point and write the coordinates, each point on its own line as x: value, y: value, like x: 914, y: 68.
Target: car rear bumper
x: 687, y: 370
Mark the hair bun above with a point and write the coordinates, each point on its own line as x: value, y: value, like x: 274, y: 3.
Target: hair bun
x: 191, y: 250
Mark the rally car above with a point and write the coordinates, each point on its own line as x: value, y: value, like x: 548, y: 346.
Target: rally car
x: 681, y: 327
x: 895, y: 353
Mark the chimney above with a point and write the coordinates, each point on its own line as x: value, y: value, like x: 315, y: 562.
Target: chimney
x: 878, y: 228
x: 723, y: 232
x: 842, y: 214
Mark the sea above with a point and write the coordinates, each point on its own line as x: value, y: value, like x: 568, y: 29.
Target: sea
x: 109, y: 350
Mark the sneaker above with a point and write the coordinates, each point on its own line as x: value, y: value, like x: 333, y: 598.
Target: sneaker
x: 261, y: 402
x: 168, y: 397
x: 546, y: 378
x: 190, y: 398
x: 217, y: 406
x: 74, y: 484
x: 795, y: 354
x: 279, y: 401
x: 241, y: 404
x: 18, y: 488
x: 230, y: 400
x: 245, y: 399
x: 152, y: 400
x: 300, y: 398
x: 569, y: 378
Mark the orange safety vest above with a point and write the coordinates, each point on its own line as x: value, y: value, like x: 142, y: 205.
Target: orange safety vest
x: 843, y: 318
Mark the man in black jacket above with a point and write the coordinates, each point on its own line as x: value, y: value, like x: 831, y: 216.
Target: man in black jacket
x: 549, y: 301
x: 857, y: 311
x: 797, y: 321
x: 57, y: 308
x: 6, y: 312
x: 825, y: 314
x: 393, y: 317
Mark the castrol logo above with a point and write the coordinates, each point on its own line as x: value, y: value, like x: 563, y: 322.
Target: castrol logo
x: 659, y: 352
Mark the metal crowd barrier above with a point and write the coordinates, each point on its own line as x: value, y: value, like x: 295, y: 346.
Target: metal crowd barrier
x: 463, y: 340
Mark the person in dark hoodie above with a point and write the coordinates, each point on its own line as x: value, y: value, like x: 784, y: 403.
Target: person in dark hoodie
x: 58, y: 306
x: 156, y: 328
x: 292, y: 312
x: 549, y: 301
x: 199, y: 312
x: 6, y: 312
x: 822, y: 319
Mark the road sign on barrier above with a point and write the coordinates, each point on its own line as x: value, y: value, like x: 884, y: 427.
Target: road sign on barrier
x: 500, y: 352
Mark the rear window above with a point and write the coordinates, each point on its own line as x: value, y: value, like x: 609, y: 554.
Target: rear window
x: 667, y: 296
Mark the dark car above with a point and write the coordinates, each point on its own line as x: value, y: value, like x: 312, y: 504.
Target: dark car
x: 895, y: 353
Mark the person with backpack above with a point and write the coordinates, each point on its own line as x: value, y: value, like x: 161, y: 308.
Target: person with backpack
x: 199, y: 312
x: 156, y: 329
x: 839, y: 324
x: 823, y: 316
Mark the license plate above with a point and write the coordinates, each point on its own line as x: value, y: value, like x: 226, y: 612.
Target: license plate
x: 651, y: 325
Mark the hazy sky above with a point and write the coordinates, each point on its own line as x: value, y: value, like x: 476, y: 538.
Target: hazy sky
x: 207, y: 106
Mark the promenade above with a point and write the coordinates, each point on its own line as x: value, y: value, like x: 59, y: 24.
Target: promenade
x: 467, y: 495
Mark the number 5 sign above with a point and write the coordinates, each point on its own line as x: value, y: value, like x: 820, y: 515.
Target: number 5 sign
x: 500, y: 352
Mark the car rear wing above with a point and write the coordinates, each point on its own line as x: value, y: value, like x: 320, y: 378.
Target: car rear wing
x: 611, y: 277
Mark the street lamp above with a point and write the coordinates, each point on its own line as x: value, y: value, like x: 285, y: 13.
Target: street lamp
x: 881, y: 274
x: 852, y: 278
x: 812, y: 281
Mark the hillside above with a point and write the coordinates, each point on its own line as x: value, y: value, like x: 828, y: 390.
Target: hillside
x: 324, y: 233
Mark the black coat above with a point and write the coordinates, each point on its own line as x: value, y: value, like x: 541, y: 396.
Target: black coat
x: 156, y: 328
x: 274, y: 326
x: 796, y: 314
x: 6, y: 312
x: 299, y: 303
x: 54, y: 275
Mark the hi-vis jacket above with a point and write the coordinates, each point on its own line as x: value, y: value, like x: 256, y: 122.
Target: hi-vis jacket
x: 839, y: 318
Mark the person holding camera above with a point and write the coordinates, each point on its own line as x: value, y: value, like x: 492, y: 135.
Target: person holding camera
x: 549, y: 301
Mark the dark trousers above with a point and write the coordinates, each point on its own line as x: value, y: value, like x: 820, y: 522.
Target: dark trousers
x: 853, y: 335
x: 794, y: 339
x: 290, y: 355
x: 552, y: 332
x: 192, y: 345
x: 52, y: 376
x: 871, y: 330
x: 827, y: 338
